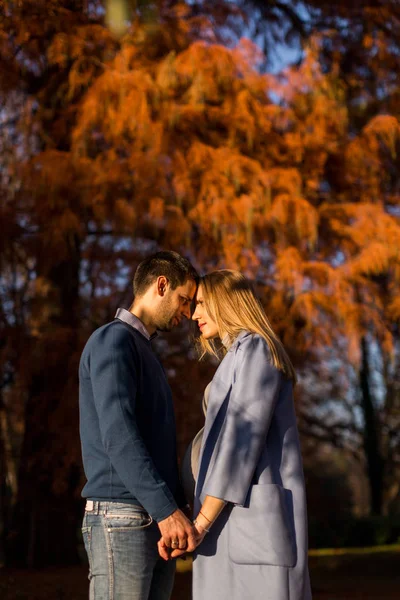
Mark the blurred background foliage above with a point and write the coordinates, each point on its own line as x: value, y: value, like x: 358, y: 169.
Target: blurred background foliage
x: 258, y: 135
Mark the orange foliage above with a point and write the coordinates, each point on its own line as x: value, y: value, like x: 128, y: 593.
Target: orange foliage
x: 197, y: 135
x: 161, y: 136
x: 184, y: 142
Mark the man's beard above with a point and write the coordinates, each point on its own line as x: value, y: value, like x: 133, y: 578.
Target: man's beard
x: 165, y: 321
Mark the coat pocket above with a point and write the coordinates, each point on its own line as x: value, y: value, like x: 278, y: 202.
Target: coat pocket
x: 260, y: 533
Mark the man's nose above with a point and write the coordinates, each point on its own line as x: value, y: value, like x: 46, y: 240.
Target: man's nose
x: 186, y: 311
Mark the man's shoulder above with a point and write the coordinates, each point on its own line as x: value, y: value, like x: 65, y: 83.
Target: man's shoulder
x: 111, y: 337
x: 112, y: 332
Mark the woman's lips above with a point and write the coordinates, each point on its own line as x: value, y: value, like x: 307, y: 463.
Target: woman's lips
x: 202, y: 325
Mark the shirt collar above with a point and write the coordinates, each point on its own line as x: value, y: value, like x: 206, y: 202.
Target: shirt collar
x: 226, y: 341
x: 233, y: 343
x: 125, y: 315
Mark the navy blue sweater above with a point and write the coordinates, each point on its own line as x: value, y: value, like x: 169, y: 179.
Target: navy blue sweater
x: 127, y: 422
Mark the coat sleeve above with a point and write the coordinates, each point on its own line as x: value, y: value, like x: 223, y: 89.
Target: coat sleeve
x: 113, y: 377
x: 248, y: 416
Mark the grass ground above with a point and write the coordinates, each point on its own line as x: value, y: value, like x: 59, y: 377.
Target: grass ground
x: 374, y: 576
x: 359, y: 576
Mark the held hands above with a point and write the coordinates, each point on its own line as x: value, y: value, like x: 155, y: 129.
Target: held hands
x: 178, y: 534
x: 172, y: 544
x: 173, y: 547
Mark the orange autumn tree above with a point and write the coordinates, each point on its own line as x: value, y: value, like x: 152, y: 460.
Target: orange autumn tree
x: 40, y: 259
x: 361, y: 42
x: 69, y: 255
x: 206, y: 154
x: 357, y: 255
x: 368, y: 232
x: 201, y: 145
x: 160, y: 139
x: 59, y: 258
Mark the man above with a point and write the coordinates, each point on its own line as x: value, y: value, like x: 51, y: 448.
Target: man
x: 128, y: 440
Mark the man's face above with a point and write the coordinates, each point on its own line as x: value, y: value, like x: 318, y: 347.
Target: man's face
x: 175, y: 305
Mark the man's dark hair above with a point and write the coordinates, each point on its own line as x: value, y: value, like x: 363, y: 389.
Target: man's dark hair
x: 170, y: 264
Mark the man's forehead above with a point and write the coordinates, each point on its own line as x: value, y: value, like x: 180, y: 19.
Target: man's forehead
x: 188, y: 288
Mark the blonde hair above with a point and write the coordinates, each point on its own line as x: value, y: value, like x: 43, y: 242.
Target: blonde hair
x: 230, y: 301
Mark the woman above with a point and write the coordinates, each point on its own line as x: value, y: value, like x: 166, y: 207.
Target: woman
x: 249, y: 500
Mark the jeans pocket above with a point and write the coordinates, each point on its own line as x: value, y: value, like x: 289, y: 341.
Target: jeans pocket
x: 87, y: 540
x: 127, y: 518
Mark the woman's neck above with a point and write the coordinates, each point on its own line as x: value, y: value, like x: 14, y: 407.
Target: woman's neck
x: 226, y: 340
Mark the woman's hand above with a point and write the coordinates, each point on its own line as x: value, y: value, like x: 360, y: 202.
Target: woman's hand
x: 201, y: 533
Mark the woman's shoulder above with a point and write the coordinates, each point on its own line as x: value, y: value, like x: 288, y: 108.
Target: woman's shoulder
x: 248, y: 341
x: 247, y: 346
x: 254, y: 349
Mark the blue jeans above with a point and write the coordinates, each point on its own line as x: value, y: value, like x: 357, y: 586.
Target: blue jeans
x: 121, y: 544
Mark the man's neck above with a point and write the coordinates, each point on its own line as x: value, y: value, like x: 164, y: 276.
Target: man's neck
x: 143, y: 314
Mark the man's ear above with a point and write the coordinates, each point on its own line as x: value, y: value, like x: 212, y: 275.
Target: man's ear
x: 162, y: 285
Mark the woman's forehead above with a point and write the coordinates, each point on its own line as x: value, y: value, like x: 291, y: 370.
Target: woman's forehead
x: 199, y: 292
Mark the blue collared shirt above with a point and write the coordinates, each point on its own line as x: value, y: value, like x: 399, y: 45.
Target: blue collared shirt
x: 125, y: 315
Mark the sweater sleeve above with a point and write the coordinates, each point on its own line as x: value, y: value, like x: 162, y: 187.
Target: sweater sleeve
x: 114, y: 382
x: 246, y: 424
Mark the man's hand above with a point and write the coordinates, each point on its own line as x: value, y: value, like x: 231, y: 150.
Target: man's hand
x: 165, y: 553
x: 178, y: 533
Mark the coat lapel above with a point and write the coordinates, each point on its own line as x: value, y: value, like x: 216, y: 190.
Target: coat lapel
x: 220, y: 388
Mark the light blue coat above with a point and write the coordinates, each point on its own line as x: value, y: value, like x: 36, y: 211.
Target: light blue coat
x: 250, y: 457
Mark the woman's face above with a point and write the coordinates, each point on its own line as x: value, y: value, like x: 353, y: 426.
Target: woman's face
x: 207, y: 326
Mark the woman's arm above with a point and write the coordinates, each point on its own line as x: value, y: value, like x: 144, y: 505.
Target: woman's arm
x: 243, y: 433
x: 208, y: 514
x: 242, y: 436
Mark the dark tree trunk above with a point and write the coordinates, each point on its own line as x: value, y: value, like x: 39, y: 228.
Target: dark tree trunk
x: 7, y: 471
x: 3, y: 494
x: 46, y: 518
x: 372, y: 449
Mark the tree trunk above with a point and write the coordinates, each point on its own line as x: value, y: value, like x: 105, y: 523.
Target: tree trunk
x: 3, y: 495
x: 8, y: 481
x: 372, y: 449
x: 48, y: 509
